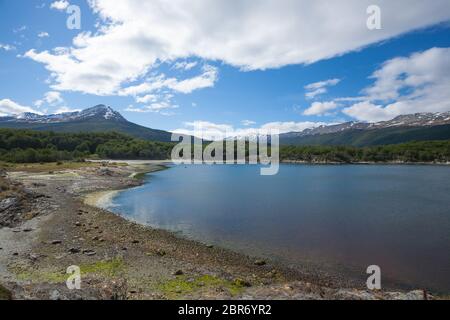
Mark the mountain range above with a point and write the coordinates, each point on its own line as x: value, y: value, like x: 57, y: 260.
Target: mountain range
x: 404, y: 128
x: 101, y: 118
x: 96, y: 119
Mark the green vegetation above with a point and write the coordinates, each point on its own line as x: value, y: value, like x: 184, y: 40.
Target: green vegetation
x: 105, y: 268
x: 426, y: 151
x: 183, y: 286
x: 4, y: 293
x: 34, y: 147
x: 22, y: 146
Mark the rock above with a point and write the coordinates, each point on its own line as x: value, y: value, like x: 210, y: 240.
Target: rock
x: 210, y: 246
x: 7, y: 203
x: 260, y: 263
x: 74, y: 250
x: 78, y: 224
x: 33, y: 257
x: 56, y: 242
x: 242, y: 283
x: 95, y: 238
x: 89, y: 252
x: 55, y: 295
x: 178, y: 273
x: 160, y: 252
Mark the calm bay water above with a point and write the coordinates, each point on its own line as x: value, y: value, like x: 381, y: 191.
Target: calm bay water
x: 341, y: 218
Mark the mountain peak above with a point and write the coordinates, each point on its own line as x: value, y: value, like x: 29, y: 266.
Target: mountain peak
x: 99, y: 112
x: 102, y: 110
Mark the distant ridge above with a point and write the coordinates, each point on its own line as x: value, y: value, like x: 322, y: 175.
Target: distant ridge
x: 404, y: 128
x: 100, y: 118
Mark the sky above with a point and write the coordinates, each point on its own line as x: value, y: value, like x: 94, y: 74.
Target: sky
x: 240, y: 66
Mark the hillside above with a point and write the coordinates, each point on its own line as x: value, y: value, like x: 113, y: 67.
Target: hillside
x: 405, y: 128
x: 97, y: 119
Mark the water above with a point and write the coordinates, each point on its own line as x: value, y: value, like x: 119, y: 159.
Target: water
x: 341, y: 218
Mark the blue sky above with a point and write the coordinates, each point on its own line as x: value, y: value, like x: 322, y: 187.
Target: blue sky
x: 178, y: 66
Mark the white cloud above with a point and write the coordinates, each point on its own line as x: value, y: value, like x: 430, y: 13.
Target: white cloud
x: 184, y: 65
x: 320, y: 108
x: 136, y: 36
x: 7, y: 47
x: 164, y: 108
x: 214, y: 131
x: 9, y: 107
x: 20, y: 29
x: 43, y: 34
x: 205, y: 80
x: 248, y: 123
x: 147, y: 98
x: 407, y: 85
x: 65, y: 110
x: 318, y: 88
x: 60, y: 5
x: 52, y: 98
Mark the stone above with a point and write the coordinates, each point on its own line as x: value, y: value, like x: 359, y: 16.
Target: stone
x: 56, y: 242
x: 89, y: 252
x: 160, y: 252
x: 242, y: 283
x: 74, y: 250
x: 260, y: 263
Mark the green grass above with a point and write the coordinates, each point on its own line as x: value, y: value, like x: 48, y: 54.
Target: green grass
x: 183, y: 286
x: 5, y: 294
x: 104, y: 268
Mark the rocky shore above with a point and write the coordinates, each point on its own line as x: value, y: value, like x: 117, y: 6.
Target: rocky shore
x: 49, y: 223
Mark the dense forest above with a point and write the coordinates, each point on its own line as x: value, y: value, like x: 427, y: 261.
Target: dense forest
x: 25, y: 146
x: 422, y: 151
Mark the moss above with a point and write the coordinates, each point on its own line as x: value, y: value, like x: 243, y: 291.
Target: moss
x: 105, y: 268
x: 5, y: 294
x: 109, y: 268
x: 183, y: 286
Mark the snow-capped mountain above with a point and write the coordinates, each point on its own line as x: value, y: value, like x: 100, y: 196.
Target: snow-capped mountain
x: 96, y: 119
x: 99, y: 112
x: 404, y: 128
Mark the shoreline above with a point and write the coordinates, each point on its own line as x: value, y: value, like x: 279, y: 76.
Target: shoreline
x: 131, y: 261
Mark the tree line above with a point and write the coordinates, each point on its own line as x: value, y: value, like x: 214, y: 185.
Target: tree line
x: 26, y: 146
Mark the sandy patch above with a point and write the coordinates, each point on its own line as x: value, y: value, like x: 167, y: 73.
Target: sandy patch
x: 100, y: 199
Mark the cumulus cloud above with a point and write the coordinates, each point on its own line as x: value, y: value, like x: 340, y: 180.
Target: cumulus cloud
x: 7, y: 47
x: 60, y: 5
x: 248, y: 123
x: 320, y: 108
x: 136, y: 36
x: 52, y: 98
x: 9, y: 107
x: 65, y: 110
x: 184, y: 65
x: 215, y: 131
x: 318, y: 88
x: 406, y: 85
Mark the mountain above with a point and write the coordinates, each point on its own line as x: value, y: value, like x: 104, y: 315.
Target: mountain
x: 405, y: 128
x: 97, y: 119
